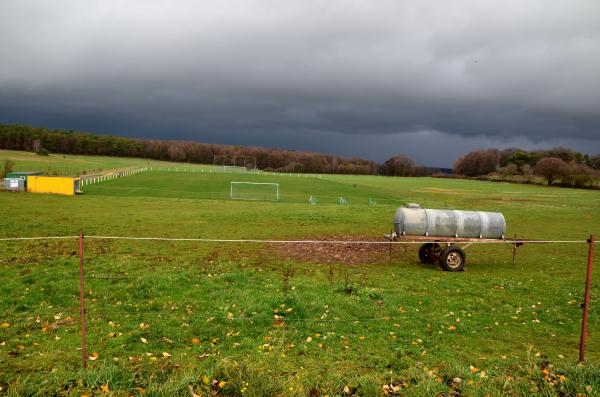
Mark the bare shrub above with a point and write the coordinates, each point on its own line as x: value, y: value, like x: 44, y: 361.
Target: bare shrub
x: 509, y: 170
x: 577, y: 175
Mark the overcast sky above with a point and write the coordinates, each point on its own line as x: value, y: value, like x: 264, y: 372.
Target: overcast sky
x: 373, y: 78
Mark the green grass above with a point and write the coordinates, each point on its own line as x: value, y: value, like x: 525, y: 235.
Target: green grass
x: 73, y: 165
x: 216, y: 186
x: 370, y: 324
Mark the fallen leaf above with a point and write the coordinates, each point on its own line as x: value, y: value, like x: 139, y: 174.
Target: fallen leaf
x: 196, y: 341
x: 94, y: 356
x: 143, y: 340
x: 104, y: 388
x: 4, y: 325
x: 192, y: 392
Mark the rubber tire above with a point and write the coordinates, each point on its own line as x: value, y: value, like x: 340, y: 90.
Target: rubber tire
x: 453, y: 259
x: 425, y: 253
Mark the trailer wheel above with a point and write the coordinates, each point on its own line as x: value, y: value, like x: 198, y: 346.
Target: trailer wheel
x: 453, y: 259
x: 429, y: 253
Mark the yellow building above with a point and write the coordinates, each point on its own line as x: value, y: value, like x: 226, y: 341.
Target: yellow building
x: 53, y: 184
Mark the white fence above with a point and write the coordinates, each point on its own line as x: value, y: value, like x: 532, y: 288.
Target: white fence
x: 91, y: 179
x: 233, y: 170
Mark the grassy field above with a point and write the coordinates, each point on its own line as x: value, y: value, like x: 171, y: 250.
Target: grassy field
x: 254, y: 320
x: 73, y: 165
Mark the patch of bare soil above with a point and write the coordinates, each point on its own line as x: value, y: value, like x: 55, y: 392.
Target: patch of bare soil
x: 439, y: 190
x: 341, y: 253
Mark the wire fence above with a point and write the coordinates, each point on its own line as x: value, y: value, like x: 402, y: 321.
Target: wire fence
x: 268, y: 317
x: 271, y: 241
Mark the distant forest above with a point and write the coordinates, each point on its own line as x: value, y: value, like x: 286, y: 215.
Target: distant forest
x: 44, y: 141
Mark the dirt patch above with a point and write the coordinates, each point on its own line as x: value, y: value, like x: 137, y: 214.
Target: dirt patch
x: 438, y: 190
x: 351, y: 254
x: 510, y: 199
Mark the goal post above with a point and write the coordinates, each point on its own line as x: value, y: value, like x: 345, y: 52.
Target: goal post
x: 259, y: 191
x: 233, y: 163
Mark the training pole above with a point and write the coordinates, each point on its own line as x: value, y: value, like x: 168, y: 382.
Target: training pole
x: 586, y: 299
x: 82, y: 299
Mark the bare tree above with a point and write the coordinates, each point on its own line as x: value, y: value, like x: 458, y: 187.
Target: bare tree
x: 595, y: 161
x: 399, y: 166
x: 549, y: 168
x: 478, y: 162
x: 8, y: 167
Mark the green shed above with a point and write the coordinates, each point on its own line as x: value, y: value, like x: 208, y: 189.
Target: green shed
x: 22, y: 175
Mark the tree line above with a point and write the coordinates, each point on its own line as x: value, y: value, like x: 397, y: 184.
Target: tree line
x: 556, y: 166
x: 44, y: 141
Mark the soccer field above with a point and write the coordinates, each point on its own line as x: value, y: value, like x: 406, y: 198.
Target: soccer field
x: 260, y: 319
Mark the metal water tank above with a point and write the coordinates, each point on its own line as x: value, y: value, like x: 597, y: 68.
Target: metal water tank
x: 415, y: 221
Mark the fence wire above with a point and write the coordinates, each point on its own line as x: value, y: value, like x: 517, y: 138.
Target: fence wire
x: 269, y: 241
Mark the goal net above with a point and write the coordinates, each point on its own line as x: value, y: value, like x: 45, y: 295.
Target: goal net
x: 254, y: 191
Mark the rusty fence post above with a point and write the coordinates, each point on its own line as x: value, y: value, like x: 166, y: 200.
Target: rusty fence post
x: 82, y: 299
x: 586, y: 299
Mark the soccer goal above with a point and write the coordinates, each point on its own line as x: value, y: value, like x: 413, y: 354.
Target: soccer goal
x: 234, y: 169
x: 233, y: 164
x: 254, y: 191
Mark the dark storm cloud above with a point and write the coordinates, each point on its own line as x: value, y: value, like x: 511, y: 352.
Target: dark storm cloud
x: 350, y: 77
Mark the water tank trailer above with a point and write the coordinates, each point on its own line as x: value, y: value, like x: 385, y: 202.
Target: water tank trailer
x: 443, y: 228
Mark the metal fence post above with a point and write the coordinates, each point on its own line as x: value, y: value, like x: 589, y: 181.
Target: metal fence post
x: 82, y: 299
x: 586, y: 299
